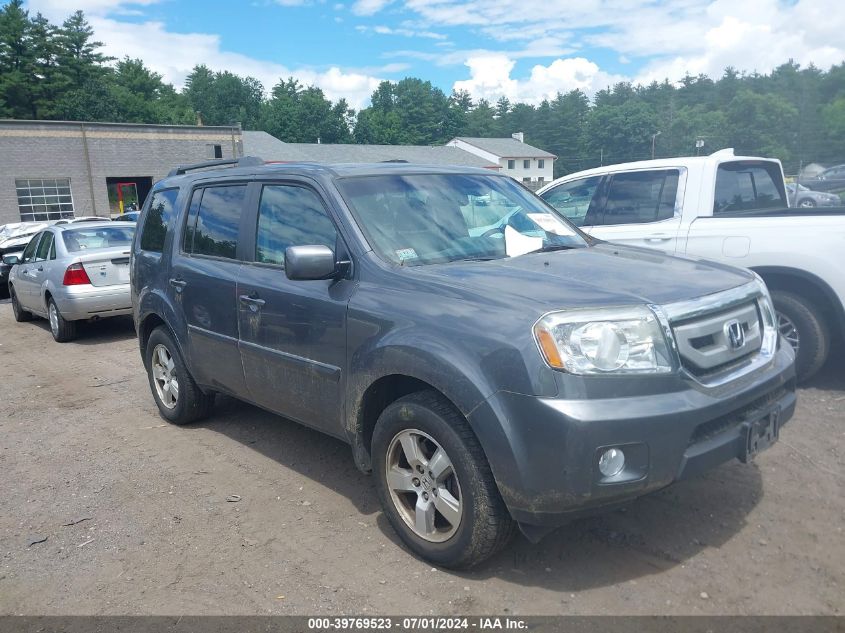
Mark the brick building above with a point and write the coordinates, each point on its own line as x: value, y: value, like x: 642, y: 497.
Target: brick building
x: 54, y: 169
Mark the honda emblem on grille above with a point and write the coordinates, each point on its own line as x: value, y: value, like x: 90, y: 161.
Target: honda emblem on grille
x: 735, y: 334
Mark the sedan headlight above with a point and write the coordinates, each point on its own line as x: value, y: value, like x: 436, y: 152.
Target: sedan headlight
x: 604, y: 341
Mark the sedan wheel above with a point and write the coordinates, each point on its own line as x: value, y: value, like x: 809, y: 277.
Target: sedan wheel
x: 423, y: 486
x: 164, y: 376
x: 807, y: 203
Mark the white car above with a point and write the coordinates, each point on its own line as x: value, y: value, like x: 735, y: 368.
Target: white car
x: 732, y: 209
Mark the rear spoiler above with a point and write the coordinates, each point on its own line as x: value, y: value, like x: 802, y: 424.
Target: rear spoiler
x: 243, y: 161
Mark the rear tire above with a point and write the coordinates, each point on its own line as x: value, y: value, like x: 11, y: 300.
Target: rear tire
x: 801, y: 323
x: 62, y: 330
x: 177, y: 396
x: 21, y: 315
x: 474, y: 523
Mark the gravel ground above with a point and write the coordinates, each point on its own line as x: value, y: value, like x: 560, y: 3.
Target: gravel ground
x: 105, y: 509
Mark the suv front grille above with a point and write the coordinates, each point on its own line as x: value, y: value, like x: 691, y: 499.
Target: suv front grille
x: 711, y: 343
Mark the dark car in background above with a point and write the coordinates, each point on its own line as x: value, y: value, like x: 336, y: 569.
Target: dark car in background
x: 491, y: 369
x: 5, y: 269
x: 831, y: 179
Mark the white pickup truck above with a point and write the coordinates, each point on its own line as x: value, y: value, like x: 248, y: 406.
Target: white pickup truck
x: 732, y: 209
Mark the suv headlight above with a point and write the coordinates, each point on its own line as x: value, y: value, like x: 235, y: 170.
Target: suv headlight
x: 767, y: 311
x: 604, y: 341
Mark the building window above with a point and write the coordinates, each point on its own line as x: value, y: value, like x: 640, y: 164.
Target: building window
x: 526, y: 179
x: 541, y: 163
x: 42, y: 199
x: 215, y: 151
x: 526, y: 164
x: 541, y: 179
x: 511, y: 164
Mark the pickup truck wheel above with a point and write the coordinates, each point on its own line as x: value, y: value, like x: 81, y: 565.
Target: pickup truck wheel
x: 21, y: 315
x: 61, y: 329
x: 177, y: 396
x: 435, y: 484
x: 801, y: 325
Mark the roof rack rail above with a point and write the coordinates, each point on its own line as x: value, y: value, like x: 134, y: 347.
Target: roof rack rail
x: 394, y: 160
x: 243, y: 161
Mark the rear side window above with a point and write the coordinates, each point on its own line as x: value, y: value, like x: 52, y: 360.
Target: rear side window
x: 745, y: 186
x: 44, y: 247
x: 641, y: 196
x: 573, y: 199
x: 159, y: 220
x: 218, y: 220
x: 290, y: 216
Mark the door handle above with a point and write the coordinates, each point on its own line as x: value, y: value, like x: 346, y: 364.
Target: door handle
x: 179, y: 284
x: 659, y: 237
x: 252, y: 301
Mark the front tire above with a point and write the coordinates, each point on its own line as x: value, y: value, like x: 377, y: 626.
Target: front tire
x: 807, y: 203
x: 21, y: 315
x: 177, y: 396
x: 435, y: 483
x: 61, y: 329
x: 800, y: 323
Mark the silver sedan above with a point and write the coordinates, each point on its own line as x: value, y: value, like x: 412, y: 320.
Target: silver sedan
x: 73, y: 272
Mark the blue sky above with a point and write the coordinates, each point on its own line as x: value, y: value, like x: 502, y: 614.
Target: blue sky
x: 526, y: 50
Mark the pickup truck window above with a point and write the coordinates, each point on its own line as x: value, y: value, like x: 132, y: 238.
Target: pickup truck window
x: 641, y: 196
x: 437, y: 218
x: 218, y: 221
x: 290, y: 216
x: 746, y: 185
x: 573, y: 199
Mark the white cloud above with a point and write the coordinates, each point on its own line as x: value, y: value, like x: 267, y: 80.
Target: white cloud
x: 369, y: 7
x: 173, y: 55
x: 490, y: 78
x: 665, y: 39
x: 404, y: 31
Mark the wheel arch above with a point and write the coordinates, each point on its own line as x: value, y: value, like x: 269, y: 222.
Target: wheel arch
x: 809, y: 286
x: 376, y: 397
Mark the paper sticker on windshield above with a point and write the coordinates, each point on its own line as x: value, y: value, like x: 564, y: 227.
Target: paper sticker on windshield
x: 550, y: 223
x: 406, y: 253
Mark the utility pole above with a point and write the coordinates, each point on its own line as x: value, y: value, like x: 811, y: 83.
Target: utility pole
x: 653, y: 138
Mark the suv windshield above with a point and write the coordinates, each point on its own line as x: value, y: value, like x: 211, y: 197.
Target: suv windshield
x: 436, y: 218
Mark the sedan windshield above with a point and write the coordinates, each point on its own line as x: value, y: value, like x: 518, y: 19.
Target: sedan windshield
x: 82, y: 239
x: 435, y: 218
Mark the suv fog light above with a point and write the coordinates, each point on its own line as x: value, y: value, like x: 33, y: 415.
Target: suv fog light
x: 611, y: 462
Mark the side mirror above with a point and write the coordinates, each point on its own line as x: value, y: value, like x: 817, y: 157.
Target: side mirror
x: 11, y: 260
x: 304, y: 263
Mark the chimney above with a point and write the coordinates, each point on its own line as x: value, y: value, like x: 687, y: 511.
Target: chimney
x: 519, y: 136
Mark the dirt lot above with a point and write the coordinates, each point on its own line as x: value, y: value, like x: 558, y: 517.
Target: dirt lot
x: 82, y: 442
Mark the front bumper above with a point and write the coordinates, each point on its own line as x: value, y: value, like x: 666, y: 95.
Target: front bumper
x: 544, y: 452
x: 88, y: 302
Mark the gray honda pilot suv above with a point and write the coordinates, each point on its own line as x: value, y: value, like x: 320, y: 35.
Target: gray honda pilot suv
x: 493, y: 366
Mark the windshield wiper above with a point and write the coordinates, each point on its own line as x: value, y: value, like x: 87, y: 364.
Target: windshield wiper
x: 549, y: 248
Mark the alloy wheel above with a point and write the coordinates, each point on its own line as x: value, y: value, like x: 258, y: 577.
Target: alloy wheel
x: 788, y: 330
x: 53, y: 313
x: 424, y: 486
x: 164, y: 376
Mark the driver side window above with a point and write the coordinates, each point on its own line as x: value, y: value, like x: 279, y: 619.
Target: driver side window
x: 573, y: 199
x: 29, y: 252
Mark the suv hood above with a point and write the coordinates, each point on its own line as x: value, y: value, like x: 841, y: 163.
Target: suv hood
x: 601, y: 275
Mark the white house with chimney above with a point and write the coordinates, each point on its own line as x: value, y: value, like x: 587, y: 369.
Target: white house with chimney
x: 516, y: 158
